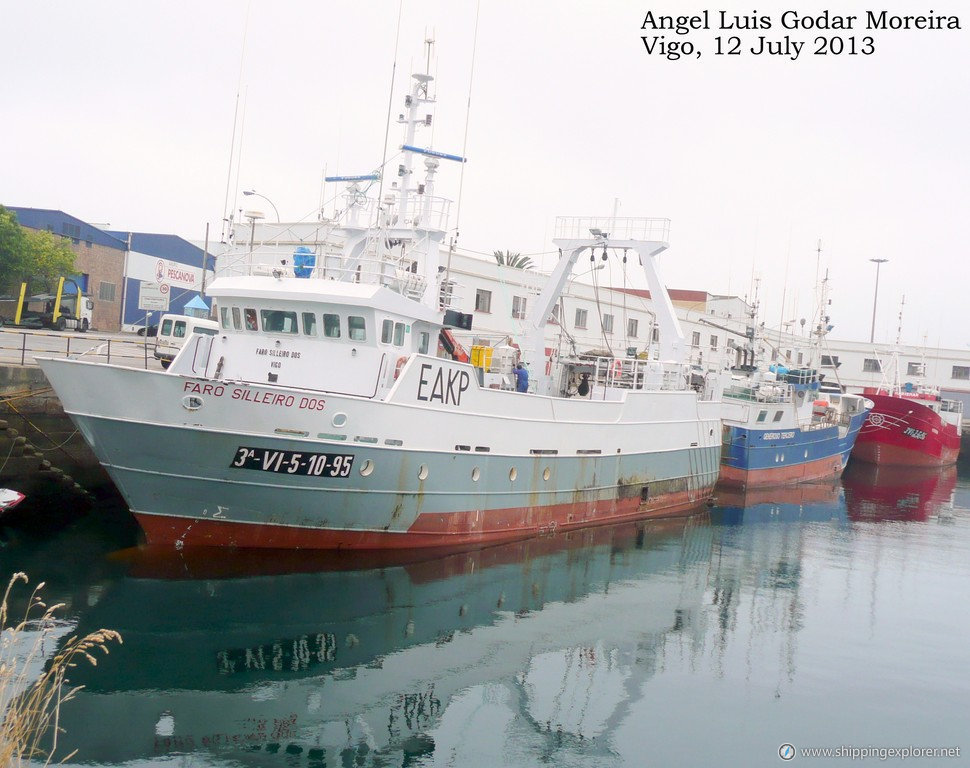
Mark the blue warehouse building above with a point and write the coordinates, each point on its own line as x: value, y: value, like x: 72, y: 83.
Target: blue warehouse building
x: 163, y: 273
x: 127, y: 274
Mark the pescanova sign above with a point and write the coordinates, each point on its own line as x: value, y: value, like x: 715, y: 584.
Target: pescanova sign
x: 152, y: 269
x: 174, y: 273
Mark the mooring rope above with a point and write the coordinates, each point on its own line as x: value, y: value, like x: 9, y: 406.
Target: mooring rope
x: 59, y: 446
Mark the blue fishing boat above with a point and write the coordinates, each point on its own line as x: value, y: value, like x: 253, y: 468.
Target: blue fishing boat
x: 779, y: 429
x: 782, y: 425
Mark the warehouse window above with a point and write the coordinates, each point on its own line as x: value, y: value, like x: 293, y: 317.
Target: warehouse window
x: 106, y: 291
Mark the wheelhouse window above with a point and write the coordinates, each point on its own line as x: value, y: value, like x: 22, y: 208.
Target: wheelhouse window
x: 581, y: 316
x: 424, y: 339
x: 387, y: 331
x: 398, y: 334
x: 252, y: 324
x: 331, y: 326
x: 762, y: 415
x: 224, y: 320
x: 778, y: 415
x: 278, y: 321
x: 483, y: 300
x: 309, y: 324
x: 236, y: 319
x: 870, y: 365
x: 356, y: 328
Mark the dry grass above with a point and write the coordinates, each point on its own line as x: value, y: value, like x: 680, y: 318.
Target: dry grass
x: 29, y: 704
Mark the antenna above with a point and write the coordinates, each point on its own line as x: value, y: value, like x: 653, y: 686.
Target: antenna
x: 429, y: 45
x: 784, y: 285
x: 464, y: 146
x: 226, y: 217
x: 390, y: 98
x: 818, y: 259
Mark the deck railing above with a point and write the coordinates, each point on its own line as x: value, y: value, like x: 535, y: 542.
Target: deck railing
x: 18, y: 347
x: 612, y: 228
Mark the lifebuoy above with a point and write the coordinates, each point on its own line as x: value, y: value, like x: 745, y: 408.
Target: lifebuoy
x: 617, y: 368
x: 400, y: 364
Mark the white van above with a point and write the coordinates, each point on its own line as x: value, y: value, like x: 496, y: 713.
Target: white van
x: 173, y: 330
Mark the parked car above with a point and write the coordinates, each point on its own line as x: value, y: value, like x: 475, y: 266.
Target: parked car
x: 173, y: 330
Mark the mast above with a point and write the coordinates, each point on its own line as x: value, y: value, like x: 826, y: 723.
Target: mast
x: 409, y: 217
x: 822, y: 327
x: 896, y: 381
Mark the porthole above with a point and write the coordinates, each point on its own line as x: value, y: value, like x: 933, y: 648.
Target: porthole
x: 546, y: 473
x: 423, y: 472
x: 339, y: 419
x: 191, y: 403
x: 476, y: 474
x: 366, y: 468
x: 513, y: 474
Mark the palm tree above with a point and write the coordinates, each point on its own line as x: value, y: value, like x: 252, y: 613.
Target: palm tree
x: 515, y: 260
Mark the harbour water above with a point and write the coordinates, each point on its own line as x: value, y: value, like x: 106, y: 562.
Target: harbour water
x: 821, y: 617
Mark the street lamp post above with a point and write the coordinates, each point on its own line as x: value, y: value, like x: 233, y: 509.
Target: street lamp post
x: 875, y: 297
x: 249, y: 192
x: 253, y: 217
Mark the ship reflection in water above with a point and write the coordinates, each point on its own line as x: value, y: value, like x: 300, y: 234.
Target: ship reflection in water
x: 877, y: 492
x: 598, y: 647
x: 374, y: 660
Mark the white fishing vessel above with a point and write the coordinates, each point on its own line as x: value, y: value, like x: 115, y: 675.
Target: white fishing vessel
x: 319, y: 415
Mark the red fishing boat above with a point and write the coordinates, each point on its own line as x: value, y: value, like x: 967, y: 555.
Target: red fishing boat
x: 915, y: 428
x: 909, y: 425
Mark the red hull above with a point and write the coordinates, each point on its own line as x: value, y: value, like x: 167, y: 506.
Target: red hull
x: 806, y: 472
x: 904, y: 432
x: 455, y: 529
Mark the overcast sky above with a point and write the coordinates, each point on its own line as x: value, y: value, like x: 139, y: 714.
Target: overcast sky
x: 122, y: 113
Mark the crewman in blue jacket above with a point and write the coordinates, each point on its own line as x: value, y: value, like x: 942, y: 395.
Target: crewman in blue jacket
x: 521, y: 378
